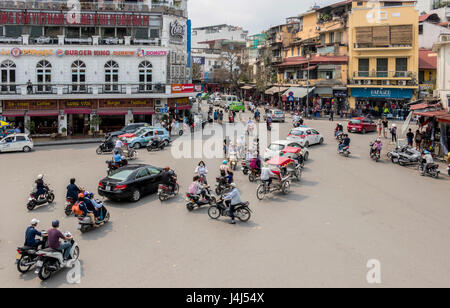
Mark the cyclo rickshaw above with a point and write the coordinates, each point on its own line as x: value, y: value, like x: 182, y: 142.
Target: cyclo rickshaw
x: 294, y: 153
x: 278, y: 166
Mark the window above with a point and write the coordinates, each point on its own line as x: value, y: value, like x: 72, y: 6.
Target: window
x: 401, y: 67
x: 20, y: 138
x: 35, y: 32
x: 153, y: 171
x: 382, y: 67
x: 145, y: 76
x: 363, y: 68
x: 360, y: 3
x: 122, y: 32
x: 322, y: 39
x: 420, y: 29
x: 154, y: 33
x: 111, y: 76
x: 332, y: 37
x: 142, y: 173
x: 109, y: 32
x: 52, y: 31
x: 73, y: 32
x: 141, y: 33
x: 13, y: 31
x: 44, y: 76
x: 78, y: 76
x: 87, y: 32
x: 8, y: 76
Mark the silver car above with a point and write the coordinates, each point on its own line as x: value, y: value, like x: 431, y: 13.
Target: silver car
x: 276, y: 115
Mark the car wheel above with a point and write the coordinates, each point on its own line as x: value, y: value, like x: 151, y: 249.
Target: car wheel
x: 136, y: 195
x: 321, y: 141
x: 306, y: 156
x: 306, y: 144
x: 363, y: 131
x: 26, y: 149
x: 137, y: 146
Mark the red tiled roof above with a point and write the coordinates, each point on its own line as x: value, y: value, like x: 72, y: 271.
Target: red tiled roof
x: 427, y: 59
x: 424, y: 17
x: 423, y: 106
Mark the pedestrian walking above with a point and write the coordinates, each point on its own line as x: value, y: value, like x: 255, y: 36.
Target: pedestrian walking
x: 331, y: 115
x: 410, y: 137
x: 385, y: 127
x: 418, y: 139
x: 394, y: 133
x: 379, y: 127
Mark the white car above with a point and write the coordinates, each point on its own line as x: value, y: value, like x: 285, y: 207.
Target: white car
x: 16, y: 142
x: 306, y: 136
x: 276, y: 147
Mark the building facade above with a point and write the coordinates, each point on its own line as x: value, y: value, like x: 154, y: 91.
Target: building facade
x: 119, y: 62
x: 383, y: 51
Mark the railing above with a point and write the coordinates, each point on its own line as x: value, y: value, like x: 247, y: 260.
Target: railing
x: 48, y: 40
x: 383, y: 74
x: 10, y: 40
x: 368, y: 45
x: 82, y: 88
x: 60, y: 5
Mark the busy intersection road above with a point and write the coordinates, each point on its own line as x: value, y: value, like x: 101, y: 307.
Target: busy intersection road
x: 344, y: 212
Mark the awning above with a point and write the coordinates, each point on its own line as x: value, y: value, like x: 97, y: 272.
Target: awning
x: 275, y: 90
x: 247, y: 87
x: 430, y: 114
x: 310, y: 68
x: 184, y: 107
x: 13, y: 113
x: 324, y: 91
x: 423, y: 106
x: 78, y: 111
x: 445, y: 118
x: 144, y: 111
x: 43, y: 113
x: 106, y: 112
x: 298, y: 92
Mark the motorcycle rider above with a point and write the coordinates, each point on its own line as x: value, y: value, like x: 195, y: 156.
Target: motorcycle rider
x: 255, y: 163
x: 267, y: 174
x: 225, y: 171
x: 53, y: 240
x: 231, y: 200
x: 241, y: 146
x: 172, y: 179
x: 296, y: 120
x: 269, y: 123
x: 339, y: 129
x: 202, y: 171
x: 345, y: 142
x: 257, y: 115
x: 40, y: 186
x: 376, y: 146
x: 88, y: 208
x: 197, y: 188
x: 72, y: 190
x: 427, y: 161
x: 118, y: 146
x: 30, y: 235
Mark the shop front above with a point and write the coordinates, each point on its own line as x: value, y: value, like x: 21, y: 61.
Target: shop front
x: 381, y: 102
x: 15, y: 117
x: 340, y: 94
x: 177, y: 107
x: 77, y: 113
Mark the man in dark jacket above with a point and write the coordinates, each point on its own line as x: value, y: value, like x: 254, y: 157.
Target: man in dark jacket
x: 72, y: 190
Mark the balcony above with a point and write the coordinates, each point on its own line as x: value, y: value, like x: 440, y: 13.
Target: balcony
x: 383, y: 74
x: 275, y: 60
x: 49, y: 89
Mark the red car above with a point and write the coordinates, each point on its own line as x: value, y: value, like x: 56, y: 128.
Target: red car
x: 361, y: 125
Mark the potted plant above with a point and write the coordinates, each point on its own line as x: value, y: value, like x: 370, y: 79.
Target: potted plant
x: 95, y: 123
x: 31, y: 127
x: 64, y: 132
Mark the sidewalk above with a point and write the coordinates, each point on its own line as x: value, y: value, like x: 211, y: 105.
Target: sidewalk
x: 49, y: 142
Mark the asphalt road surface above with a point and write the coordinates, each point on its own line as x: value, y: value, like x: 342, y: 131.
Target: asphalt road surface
x: 344, y: 212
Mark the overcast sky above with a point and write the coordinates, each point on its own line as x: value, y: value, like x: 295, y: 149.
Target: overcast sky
x: 252, y: 15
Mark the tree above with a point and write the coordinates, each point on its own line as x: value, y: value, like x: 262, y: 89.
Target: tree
x: 196, y: 71
x: 231, y: 56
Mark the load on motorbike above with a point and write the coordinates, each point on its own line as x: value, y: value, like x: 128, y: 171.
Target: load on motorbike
x: 375, y: 150
x: 295, y: 154
x: 280, y: 183
x: 101, y: 214
x: 404, y: 155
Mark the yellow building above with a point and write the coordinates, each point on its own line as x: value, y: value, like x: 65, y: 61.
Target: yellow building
x: 427, y: 71
x: 383, y: 53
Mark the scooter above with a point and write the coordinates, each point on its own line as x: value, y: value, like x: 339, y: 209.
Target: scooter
x: 156, y: 145
x: 375, y: 154
x: 35, y: 200
x: 27, y: 256
x: 112, y: 165
x: 105, y: 147
x: 195, y: 200
x: 241, y: 211
x: 165, y: 192
x: 254, y: 175
x: 345, y: 151
x: 68, y: 206
x: 233, y: 161
x: 404, y: 156
x: 85, y: 224
x: 50, y: 261
x: 245, y: 167
x: 222, y: 185
x: 269, y: 127
x: 432, y: 170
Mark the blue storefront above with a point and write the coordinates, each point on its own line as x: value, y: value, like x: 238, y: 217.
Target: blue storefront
x: 382, y: 93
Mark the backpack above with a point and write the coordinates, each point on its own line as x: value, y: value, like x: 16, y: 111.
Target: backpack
x: 76, y: 209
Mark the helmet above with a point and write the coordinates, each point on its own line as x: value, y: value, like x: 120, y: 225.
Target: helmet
x: 116, y: 152
x: 225, y: 162
x: 426, y: 152
x: 81, y: 195
x: 393, y: 125
x: 40, y: 176
x: 34, y: 221
x: 378, y: 140
x: 55, y: 223
x: 167, y: 169
x: 233, y: 185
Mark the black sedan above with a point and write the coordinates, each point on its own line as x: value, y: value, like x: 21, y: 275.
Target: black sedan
x: 132, y: 182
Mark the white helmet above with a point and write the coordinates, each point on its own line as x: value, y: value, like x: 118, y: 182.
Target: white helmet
x: 34, y: 221
x: 233, y: 185
x: 393, y: 125
x: 40, y: 176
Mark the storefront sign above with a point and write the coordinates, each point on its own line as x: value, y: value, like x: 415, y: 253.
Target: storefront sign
x: 150, y: 53
x: 182, y: 88
x: 198, y: 60
x: 392, y: 93
x: 30, y: 105
x: 78, y: 104
x: 340, y: 93
x: 61, y: 19
x: 67, y: 52
x: 126, y: 103
x: 175, y: 102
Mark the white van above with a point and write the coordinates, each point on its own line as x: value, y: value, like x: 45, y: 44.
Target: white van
x: 226, y: 100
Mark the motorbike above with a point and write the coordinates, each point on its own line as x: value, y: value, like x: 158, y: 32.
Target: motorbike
x: 85, y: 224
x: 156, y: 145
x: 27, y: 256
x: 241, y: 211
x: 345, y: 151
x: 68, y: 206
x: 233, y: 159
x: 264, y: 188
x: 448, y: 169
x: 105, y: 147
x: 339, y: 136
x: 112, y: 165
x: 129, y: 153
x: 404, y: 155
x: 222, y: 185
x: 245, y: 167
x: 294, y: 171
x: 254, y: 175
x: 375, y: 154
x: 50, y: 261
x: 196, y: 201
x: 165, y: 192
x: 432, y: 170
x: 35, y: 200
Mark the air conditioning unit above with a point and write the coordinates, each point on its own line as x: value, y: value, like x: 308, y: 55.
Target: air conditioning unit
x: 402, y: 82
x: 367, y: 82
x: 178, y: 60
x: 172, y: 71
x: 173, y: 57
x: 158, y: 104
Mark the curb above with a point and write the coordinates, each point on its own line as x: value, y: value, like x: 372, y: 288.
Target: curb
x: 68, y: 142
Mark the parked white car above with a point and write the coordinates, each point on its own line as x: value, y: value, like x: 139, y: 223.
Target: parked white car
x: 306, y: 136
x: 276, y: 147
x: 16, y: 142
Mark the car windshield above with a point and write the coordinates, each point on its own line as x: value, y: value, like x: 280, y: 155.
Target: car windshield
x: 355, y: 121
x: 121, y: 175
x: 141, y: 132
x: 297, y: 132
x: 279, y: 112
x: 276, y: 147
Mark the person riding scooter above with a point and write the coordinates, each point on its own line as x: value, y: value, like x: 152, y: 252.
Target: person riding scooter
x: 87, y: 207
x: 427, y: 161
x: 172, y: 178
x: 30, y: 235
x: 232, y: 199
x: 339, y: 129
x: 376, y: 146
x: 345, y: 142
x: 72, y: 190
x: 41, y: 187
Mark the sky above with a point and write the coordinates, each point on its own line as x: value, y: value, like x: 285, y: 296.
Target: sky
x: 252, y: 15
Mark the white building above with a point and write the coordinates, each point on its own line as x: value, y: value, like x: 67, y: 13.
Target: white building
x: 429, y: 30
x: 120, y: 61
x: 215, y: 33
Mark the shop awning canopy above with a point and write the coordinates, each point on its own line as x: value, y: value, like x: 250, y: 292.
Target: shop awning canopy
x: 445, y: 118
x: 13, y: 113
x: 110, y: 112
x: 298, y: 92
x: 275, y: 90
x: 423, y: 106
x: 78, y: 111
x: 143, y: 111
x: 280, y: 161
x: 43, y: 113
x: 430, y: 114
x: 247, y: 87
